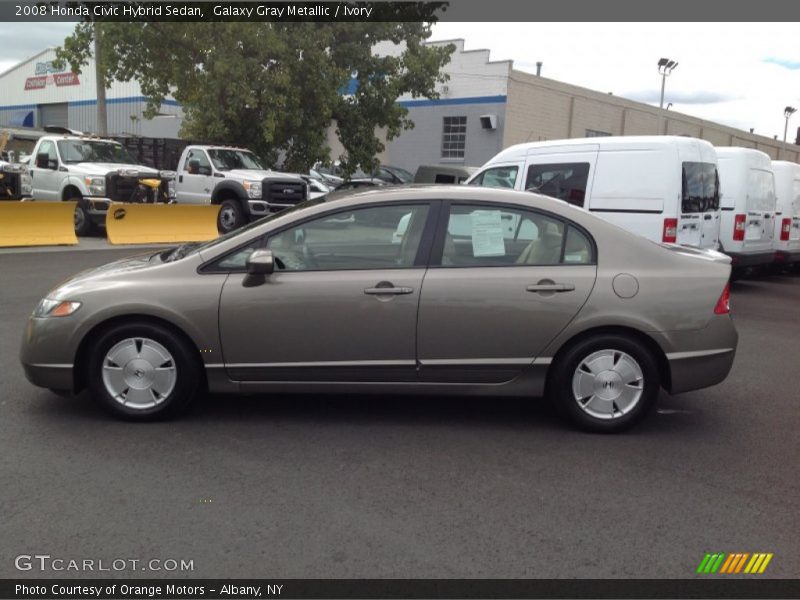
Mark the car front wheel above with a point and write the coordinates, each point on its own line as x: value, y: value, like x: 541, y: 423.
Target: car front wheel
x: 606, y: 383
x: 143, y: 372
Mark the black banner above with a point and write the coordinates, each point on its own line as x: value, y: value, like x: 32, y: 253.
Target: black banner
x: 246, y: 589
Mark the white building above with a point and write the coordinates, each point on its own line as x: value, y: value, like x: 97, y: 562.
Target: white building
x: 36, y: 94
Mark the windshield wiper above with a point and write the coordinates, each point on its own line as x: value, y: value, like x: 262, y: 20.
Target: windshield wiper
x: 178, y: 252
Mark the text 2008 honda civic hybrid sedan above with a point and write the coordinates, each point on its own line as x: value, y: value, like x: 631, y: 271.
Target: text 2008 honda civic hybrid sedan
x: 434, y: 290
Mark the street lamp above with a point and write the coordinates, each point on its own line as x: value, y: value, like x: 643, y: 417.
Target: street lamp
x: 665, y: 67
x: 787, y: 112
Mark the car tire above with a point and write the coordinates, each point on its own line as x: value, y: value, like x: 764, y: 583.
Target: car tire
x: 231, y: 216
x: 143, y: 372
x: 605, y: 383
x: 83, y: 222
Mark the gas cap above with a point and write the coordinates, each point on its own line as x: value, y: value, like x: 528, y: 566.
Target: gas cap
x: 625, y: 285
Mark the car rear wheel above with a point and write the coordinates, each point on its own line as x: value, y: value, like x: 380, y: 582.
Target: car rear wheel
x: 143, y: 372
x: 231, y: 216
x: 606, y: 383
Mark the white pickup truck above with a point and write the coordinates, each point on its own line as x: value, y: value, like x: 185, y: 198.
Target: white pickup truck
x: 94, y: 172
x: 235, y: 179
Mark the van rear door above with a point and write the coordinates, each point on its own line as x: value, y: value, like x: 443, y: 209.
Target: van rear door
x: 699, y: 217
x: 760, y: 206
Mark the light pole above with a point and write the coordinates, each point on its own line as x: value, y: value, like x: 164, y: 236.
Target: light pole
x: 665, y: 67
x: 787, y: 112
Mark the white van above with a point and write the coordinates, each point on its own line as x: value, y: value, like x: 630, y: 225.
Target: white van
x: 748, y: 206
x: 665, y: 188
x: 786, y: 238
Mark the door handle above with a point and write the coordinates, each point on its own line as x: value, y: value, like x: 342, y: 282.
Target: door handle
x: 390, y: 291
x: 551, y: 287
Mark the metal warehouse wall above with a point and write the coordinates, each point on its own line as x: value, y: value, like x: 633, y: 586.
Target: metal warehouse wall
x: 544, y: 109
x: 125, y: 101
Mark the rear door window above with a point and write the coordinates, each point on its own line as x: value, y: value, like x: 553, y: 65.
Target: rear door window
x: 565, y: 181
x: 700, y: 187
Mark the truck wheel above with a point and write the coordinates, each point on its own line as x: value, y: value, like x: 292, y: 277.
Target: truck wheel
x: 231, y: 216
x: 83, y: 223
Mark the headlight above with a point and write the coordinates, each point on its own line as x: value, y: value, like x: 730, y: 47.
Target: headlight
x: 55, y: 308
x: 96, y: 185
x: 253, y: 188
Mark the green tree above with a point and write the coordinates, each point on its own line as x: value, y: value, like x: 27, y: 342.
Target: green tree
x: 273, y: 87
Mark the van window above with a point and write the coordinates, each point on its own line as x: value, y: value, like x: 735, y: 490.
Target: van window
x: 700, y: 187
x: 499, y: 177
x: 444, y: 178
x: 565, y: 181
x: 760, y: 191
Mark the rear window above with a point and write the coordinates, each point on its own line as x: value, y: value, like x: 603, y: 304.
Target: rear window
x: 700, y: 187
x: 565, y: 181
x: 760, y: 190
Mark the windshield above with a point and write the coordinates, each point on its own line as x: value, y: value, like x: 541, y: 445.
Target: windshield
x: 401, y: 174
x: 227, y: 160
x: 78, y: 151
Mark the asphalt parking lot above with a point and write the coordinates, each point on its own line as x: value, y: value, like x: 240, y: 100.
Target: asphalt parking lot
x: 405, y: 487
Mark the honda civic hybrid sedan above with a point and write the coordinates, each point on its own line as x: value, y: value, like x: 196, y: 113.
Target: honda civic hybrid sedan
x: 410, y: 290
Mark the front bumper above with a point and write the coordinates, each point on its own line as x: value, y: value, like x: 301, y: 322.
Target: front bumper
x: 45, y: 353
x: 699, y: 358
x: 96, y: 209
x: 754, y: 259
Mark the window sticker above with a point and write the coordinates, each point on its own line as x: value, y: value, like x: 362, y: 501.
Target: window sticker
x: 487, y: 233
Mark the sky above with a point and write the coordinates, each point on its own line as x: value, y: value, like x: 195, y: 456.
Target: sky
x: 738, y: 74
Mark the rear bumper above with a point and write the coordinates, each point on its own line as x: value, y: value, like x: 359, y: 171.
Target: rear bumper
x: 699, y: 358
x: 787, y: 256
x: 754, y: 259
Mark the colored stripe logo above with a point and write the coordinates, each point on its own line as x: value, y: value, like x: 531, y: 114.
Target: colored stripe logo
x: 735, y: 562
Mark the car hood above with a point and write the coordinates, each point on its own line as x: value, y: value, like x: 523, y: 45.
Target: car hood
x: 103, y: 168
x: 257, y: 174
x: 701, y: 253
x: 106, y: 274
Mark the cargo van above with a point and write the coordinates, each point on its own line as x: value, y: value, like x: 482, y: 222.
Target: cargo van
x: 786, y: 237
x: 748, y: 206
x: 665, y: 188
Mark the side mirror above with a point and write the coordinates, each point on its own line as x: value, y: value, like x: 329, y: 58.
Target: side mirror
x: 261, y: 262
x: 43, y: 161
x: 193, y: 167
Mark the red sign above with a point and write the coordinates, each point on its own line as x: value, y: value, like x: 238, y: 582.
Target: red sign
x: 66, y: 79
x: 59, y: 79
x: 36, y: 83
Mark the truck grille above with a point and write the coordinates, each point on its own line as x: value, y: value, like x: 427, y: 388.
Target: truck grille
x: 286, y: 191
x: 124, y: 188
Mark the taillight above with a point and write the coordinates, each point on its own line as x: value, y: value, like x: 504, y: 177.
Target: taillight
x: 786, y: 226
x: 738, y: 228
x: 723, y: 306
x: 670, y: 234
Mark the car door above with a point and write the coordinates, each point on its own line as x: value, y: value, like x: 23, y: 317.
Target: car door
x: 46, y: 180
x: 494, y: 300
x: 195, y: 187
x: 341, y: 305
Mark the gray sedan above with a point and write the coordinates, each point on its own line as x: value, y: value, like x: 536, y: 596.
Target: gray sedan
x: 414, y: 290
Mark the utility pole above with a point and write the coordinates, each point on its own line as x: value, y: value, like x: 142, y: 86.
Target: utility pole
x: 102, y: 116
x: 787, y: 112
